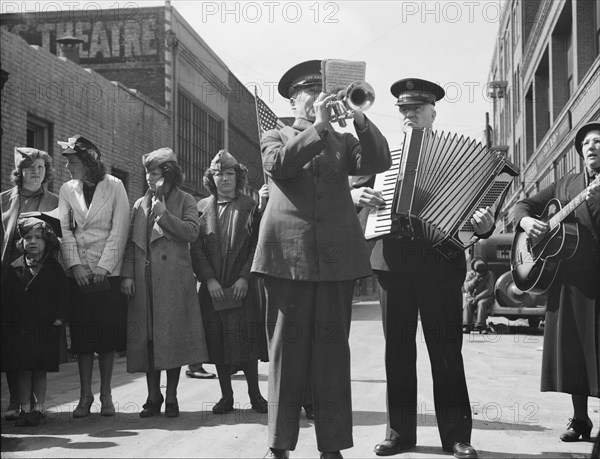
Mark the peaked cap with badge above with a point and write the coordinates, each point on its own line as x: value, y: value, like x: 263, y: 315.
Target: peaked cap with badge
x: 304, y: 74
x: 29, y: 220
x: 411, y: 91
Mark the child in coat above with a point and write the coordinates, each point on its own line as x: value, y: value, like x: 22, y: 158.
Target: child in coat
x: 34, y: 305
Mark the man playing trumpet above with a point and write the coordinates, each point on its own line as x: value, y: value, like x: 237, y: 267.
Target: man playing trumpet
x: 310, y: 251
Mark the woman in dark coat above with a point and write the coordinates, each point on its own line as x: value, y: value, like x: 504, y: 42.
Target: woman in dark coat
x: 571, y: 359
x: 165, y: 328
x: 33, y: 169
x: 222, y: 256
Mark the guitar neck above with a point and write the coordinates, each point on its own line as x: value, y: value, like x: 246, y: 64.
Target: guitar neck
x: 565, y: 211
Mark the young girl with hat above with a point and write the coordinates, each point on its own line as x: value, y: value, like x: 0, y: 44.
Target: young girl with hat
x: 34, y: 306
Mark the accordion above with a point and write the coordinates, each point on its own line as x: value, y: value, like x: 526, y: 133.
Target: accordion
x: 435, y: 184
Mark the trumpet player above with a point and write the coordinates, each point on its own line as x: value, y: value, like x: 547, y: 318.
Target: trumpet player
x: 310, y: 251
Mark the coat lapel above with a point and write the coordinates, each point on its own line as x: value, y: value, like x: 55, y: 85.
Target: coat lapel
x: 139, y: 233
x: 583, y: 212
x: 10, y: 208
x: 209, y: 224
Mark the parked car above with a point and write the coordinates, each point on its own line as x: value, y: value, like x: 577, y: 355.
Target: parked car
x: 511, y: 302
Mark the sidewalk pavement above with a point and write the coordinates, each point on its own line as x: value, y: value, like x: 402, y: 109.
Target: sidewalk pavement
x: 511, y: 417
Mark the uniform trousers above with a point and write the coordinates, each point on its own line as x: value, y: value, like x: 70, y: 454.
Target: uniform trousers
x: 437, y: 296
x: 308, y: 326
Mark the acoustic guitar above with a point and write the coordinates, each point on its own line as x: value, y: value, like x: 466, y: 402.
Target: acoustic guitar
x: 534, y: 264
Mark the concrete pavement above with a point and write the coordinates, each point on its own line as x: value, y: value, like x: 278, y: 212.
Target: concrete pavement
x: 512, y: 418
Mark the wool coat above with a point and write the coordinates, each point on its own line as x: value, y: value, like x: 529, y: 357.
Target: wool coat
x: 235, y: 335
x: 164, y: 309
x: 95, y: 236
x: 9, y: 204
x: 571, y: 356
x: 309, y: 230
x: 30, y: 341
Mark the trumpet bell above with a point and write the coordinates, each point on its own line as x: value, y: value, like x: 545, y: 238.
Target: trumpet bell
x: 360, y: 96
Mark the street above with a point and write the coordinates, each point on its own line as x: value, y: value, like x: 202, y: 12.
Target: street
x: 511, y: 417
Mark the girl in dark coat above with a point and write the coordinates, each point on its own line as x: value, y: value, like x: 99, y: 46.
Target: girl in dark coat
x: 571, y: 359
x: 34, y: 306
x: 221, y: 257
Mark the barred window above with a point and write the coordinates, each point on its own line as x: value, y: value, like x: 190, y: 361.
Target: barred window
x: 200, y: 137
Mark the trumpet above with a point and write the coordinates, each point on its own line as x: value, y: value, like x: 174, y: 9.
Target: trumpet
x: 358, y: 97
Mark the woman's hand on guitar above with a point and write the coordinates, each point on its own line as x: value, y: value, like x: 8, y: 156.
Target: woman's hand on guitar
x: 593, y: 191
x: 535, y: 229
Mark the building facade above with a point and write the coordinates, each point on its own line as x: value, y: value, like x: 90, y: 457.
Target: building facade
x: 155, y: 51
x: 545, y: 84
x: 47, y: 98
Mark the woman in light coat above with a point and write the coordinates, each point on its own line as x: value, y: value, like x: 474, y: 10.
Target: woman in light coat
x: 165, y: 329
x: 94, y: 216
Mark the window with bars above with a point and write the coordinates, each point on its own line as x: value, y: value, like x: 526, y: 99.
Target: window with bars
x: 200, y: 137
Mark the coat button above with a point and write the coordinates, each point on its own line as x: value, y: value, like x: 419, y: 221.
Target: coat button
x: 164, y: 257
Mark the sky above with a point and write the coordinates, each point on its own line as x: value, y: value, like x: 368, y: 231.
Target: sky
x: 448, y: 42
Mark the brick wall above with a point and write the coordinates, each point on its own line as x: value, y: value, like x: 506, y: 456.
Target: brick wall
x: 124, y: 44
x: 243, y: 131
x: 76, y: 101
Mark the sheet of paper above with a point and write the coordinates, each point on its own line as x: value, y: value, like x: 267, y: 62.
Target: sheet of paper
x: 339, y: 74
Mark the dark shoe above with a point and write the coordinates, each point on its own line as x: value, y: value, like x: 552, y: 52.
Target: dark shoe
x: 33, y: 418
x: 151, y: 408
x: 309, y: 411
x: 200, y: 374
x: 331, y: 455
x: 12, y: 412
x: 466, y: 329
x: 390, y: 447
x: 83, y: 407
x: 107, y: 409
x: 223, y: 406
x: 275, y: 453
x: 172, y: 410
x: 462, y: 451
x: 259, y: 404
x: 577, y: 428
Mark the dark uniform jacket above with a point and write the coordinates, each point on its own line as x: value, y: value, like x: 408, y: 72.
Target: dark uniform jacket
x: 309, y: 230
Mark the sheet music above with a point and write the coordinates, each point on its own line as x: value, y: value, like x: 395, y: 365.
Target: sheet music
x: 339, y: 74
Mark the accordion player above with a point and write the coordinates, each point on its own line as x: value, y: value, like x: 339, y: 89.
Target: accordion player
x: 436, y: 182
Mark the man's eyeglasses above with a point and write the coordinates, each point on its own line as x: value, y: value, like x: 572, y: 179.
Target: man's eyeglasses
x: 416, y: 108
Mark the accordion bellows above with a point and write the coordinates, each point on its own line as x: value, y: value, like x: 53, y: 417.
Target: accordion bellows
x: 436, y: 183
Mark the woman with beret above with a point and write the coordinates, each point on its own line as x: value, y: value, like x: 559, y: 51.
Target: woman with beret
x: 94, y: 217
x: 571, y: 357
x: 33, y: 168
x: 229, y: 299
x: 165, y: 328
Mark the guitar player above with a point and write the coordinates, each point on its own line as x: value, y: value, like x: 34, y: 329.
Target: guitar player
x: 571, y: 360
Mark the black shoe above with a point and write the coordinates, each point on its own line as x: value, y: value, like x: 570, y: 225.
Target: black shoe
x: 575, y: 429
x: 200, y: 374
x: 331, y: 455
x: 466, y: 329
x: 151, y: 408
x: 259, y: 404
x: 462, y: 451
x: 390, y: 447
x: 33, y: 418
x: 172, y: 410
x: 309, y: 411
x: 275, y: 453
x: 223, y: 406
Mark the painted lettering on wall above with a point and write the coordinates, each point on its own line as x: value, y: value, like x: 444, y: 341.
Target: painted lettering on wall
x: 111, y: 40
